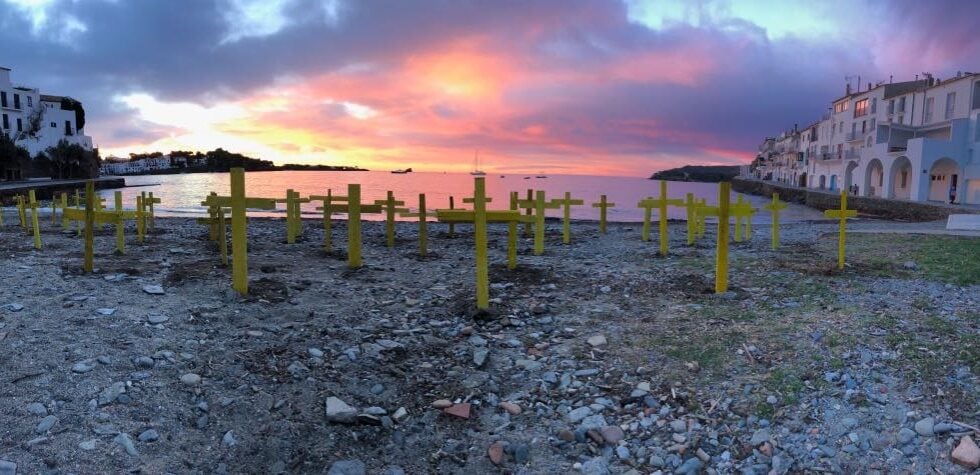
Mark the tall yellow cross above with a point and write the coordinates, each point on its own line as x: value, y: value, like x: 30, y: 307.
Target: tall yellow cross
x: 421, y: 214
x: 774, y: 208
x: 89, y: 215
x: 390, y: 206
x: 148, y: 209
x: 661, y: 204
x: 603, y: 205
x: 539, y: 205
x: 721, y: 254
x: 328, y: 209
x: 354, y: 209
x: 21, y: 212
x: 742, y: 211
x: 218, y: 227
x: 294, y: 217
x: 842, y: 214
x: 566, y: 204
x: 34, y: 221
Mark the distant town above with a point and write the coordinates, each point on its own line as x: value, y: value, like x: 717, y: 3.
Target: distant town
x: 215, y: 161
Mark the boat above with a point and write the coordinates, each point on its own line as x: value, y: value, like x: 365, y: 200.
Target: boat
x: 476, y: 166
x: 527, y: 178
x: 541, y: 176
x: 503, y: 176
x: 402, y: 172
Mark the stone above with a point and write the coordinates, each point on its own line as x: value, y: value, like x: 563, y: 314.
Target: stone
x: 910, y: 265
x: 597, y: 340
x: 109, y: 394
x: 229, y: 439
x: 88, y: 444
x: 441, y: 403
x: 347, y: 467
x: 153, y: 289
x: 149, y: 435
x: 126, y: 443
x: 690, y: 466
x: 37, y: 409
x: 7, y: 467
x: 82, y: 367
x: 191, y: 379
x: 759, y: 437
x: 496, y: 452
x: 566, y: 435
x: 678, y: 425
x: 105, y: 312
x: 967, y: 453
x: 13, y: 307
x: 702, y: 455
x: 510, y: 407
x: 339, y: 411
x: 46, y: 423
x: 905, y: 435
x: 459, y: 410
x: 943, y: 428
x: 157, y: 319
x: 595, y: 421
x: 521, y: 453
x: 771, y: 399
x: 578, y: 414
x: 595, y: 466
x: 480, y: 356
x: 623, y: 452
x: 144, y: 362
x: 315, y: 352
x: 925, y: 427
x: 612, y: 434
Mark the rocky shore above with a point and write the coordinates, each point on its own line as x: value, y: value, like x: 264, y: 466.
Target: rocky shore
x: 597, y: 357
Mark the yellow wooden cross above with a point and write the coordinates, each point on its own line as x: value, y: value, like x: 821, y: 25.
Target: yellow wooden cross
x: 603, y: 205
x: 116, y: 217
x: 148, y: 202
x: 328, y: 209
x: 692, y: 218
x: 774, y: 208
x: 217, y: 224
x: 742, y: 211
x: 452, y: 226
x: 421, y: 214
x: 566, y: 204
x: 700, y: 217
x: 294, y: 217
x: 842, y: 214
x: 34, y: 221
x: 661, y: 203
x: 528, y: 212
x: 21, y: 212
x: 539, y: 205
x: 354, y: 208
x: 64, y: 206
x: 90, y: 217
x: 721, y: 255
x: 390, y: 206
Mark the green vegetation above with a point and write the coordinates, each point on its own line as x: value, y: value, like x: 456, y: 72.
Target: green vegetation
x: 220, y: 160
x: 707, y: 174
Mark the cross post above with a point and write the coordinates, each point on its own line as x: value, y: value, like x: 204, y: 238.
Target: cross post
x: 603, y: 206
x: 34, y: 221
x: 566, y: 204
x: 774, y: 208
x: 391, y: 206
x: 423, y: 227
x: 842, y: 214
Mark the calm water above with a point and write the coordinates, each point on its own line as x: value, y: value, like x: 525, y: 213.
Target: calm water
x: 181, y: 194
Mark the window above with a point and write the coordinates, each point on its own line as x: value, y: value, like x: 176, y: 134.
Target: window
x: 3, y: 99
x: 901, y: 104
x: 6, y: 122
x: 927, y: 117
x: 861, y: 108
x: 864, y: 126
x: 873, y: 123
x: 840, y: 107
x: 874, y: 105
x: 891, y: 107
x: 54, y: 125
x: 30, y: 101
x: 901, y: 119
x: 68, y: 127
x: 950, y: 105
x: 16, y: 101
x: 20, y: 125
x: 854, y: 128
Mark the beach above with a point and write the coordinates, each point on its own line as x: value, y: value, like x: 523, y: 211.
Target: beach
x: 598, y: 357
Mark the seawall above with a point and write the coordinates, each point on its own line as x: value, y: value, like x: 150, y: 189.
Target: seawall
x: 897, y: 210
x: 45, y: 189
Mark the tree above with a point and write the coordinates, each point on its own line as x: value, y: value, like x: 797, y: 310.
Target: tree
x: 68, y: 160
x: 12, y: 157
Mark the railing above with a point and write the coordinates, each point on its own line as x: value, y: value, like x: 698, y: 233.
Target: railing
x: 851, y: 155
x: 853, y: 136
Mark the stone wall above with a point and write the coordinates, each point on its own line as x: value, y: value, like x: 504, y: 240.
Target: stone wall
x: 877, y: 207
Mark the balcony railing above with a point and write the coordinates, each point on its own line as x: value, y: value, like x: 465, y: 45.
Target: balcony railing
x: 855, y: 136
x: 851, y: 155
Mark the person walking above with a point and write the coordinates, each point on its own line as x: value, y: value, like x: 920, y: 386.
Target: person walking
x: 952, y: 193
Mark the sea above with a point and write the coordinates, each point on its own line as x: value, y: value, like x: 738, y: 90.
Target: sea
x: 181, y: 195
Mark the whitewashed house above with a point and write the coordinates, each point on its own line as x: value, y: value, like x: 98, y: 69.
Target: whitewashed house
x: 37, y: 121
x: 915, y: 140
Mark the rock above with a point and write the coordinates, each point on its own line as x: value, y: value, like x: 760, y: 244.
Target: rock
x: 126, y: 443
x: 13, y: 307
x: 144, y: 362
x: 905, y: 435
x: 612, y: 434
x: 771, y: 399
x: 566, y: 435
x: 83, y: 367
x: 315, y: 352
x: 441, y: 403
x: 510, y: 407
x: 191, y: 379
x: 37, y: 409
x: 943, y: 428
x: 678, y: 425
x: 690, y: 466
x: 759, y: 437
x: 702, y: 455
x: 105, y: 312
x: 153, y: 289
x: 7, y: 467
x: 597, y: 340
x: 88, y: 444
x: 849, y: 422
x: 496, y: 452
x: 347, y: 467
x: 521, y: 453
x: 46, y: 423
x: 578, y: 414
x: 149, y: 435
x: 910, y: 265
x: 157, y: 319
x: 459, y: 410
x: 595, y: 466
x: 925, y: 427
x: 623, y: 452
x: 108, y: 395
x: 595, y: 421
x: 967, y: 453
x: 480, y: 356
x: 339, y: 411
x: 229, y: 439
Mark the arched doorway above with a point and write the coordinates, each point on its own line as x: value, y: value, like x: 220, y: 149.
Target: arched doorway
x: 823, y: 181
x: 943, y: 175
x: 901, y: 173
x: 874, y: 178
x: 849, y: 175
x: 803, y: 183
x: 833, y: 182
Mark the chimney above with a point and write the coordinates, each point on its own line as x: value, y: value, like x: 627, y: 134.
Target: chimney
x: 869, y: 86
x: 889, y: 79
x: 847, y: 90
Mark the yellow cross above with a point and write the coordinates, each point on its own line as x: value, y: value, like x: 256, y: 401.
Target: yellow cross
x: 354, y: 208
x: 217, y: 225
x: 721, y: 255
x: 294, y: 218
x: 90, y: 216
x: 603, y: 205
x: 511, y: 217
x: 843, y: 214
x: 34, y: 222
x: 421, y: 214
x: 328, y: 209
x: 775, y: 207
x: 390, y: 206
x: 148, y: 202
x: 21, y: 212
x: 648, y: 204
x: 692, y: 218
x: 566, y: 204
x: 742, y: 211
x: 539, y: 205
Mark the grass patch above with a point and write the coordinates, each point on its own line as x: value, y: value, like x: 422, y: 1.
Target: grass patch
x: 940, y: 258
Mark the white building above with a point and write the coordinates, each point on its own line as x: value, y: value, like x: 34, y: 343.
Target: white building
x: 915, y: 140
x: 37, y: 121
x: 123, y: 166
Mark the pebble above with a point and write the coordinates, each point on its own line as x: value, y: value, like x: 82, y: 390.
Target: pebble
x: 153, y: 289
x: 88, y: 444
x: 480, y: 356
x: 678, y: 425
x: 191, y: 379
x: 149, y: 435
x: 759, y: 437
x: 496, y: 452
x: 105, y: 311
x: 772, y: 400
x: 229, y: 439
x: 597, y: 340
x: 623, y: 452
x: 925, y: 427
x: 82, y: 367
x: 126, y: 443
x: 905, y: 435
x: 441, y: 403
x: 37, y: 409
x: 157, y: 319
x: 144, y: 362
x: 595, y: 466
x: 459, y: 410
x: 511, y: 408
x: 967, y: 453
x: 347, y: 467
x: 13, y: 307
x: 690, y: 466
x: 7, y: 467
x: 339, y: 411
x: 315, y: 352
x: 109, y: 394
x: 577, y: 414
x: 46, y: 423
x: 521, y: 453
x: 612, y: 434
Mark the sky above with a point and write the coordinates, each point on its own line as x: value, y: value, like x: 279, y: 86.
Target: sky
x: 614, y: 87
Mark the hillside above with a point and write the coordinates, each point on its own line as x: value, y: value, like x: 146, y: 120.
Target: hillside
x: 708, y: 174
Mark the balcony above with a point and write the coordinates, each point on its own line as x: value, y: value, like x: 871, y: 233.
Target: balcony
x: 855, y: 136
x: 851, y: 155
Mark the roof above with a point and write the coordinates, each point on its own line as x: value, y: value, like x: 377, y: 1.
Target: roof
x: 47, y: 98
x: 5, y: 69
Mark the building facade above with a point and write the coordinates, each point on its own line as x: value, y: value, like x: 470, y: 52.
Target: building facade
x: 915, y: 140
x: 38, y: 121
